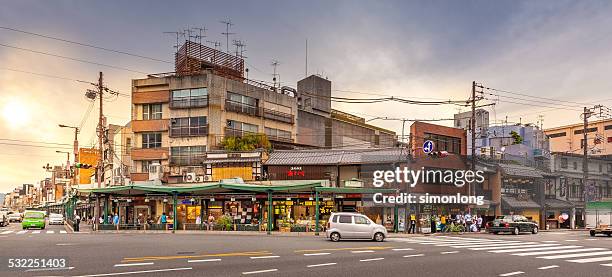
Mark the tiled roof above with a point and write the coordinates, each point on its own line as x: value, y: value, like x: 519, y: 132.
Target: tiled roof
x: 520, y: 171
x: 519, y: 204
x: 557, y: 204
x: 336, y: 157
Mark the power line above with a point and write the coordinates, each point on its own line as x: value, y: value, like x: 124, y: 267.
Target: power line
x: 71, y: 58
x: 537, y: 97
x: 31, y: 141
x: 85, y: 44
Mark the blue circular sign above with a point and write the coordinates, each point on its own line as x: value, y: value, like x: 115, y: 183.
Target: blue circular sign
x: 428, y: 146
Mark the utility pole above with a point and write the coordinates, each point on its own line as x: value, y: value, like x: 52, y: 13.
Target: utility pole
x: 473, y: 127
x: 100, y: 158
x: 585, y: 157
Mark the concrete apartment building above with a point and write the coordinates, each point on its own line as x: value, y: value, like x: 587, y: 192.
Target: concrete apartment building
x: 568, y: 138
x: 179, y: 119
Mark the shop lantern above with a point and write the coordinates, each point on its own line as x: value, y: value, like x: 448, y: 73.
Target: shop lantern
x: 192, y: 200
x: 212, y: 199
x: 146, y: 200
x: 129, y: 200
x: 165, y: 200
x: 253, y: 199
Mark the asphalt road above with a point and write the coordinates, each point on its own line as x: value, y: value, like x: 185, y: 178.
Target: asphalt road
x: 259, y: 255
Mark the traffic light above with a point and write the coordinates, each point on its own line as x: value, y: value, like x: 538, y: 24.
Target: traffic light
x: 438, y: 154
x: 82, y: 165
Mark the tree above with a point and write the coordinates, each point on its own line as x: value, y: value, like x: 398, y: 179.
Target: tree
x: 517, y: 139
x: 248, y: 142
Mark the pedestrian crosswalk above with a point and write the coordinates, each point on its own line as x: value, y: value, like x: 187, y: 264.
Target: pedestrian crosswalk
x: 34, y: 232
x: 548, y: 250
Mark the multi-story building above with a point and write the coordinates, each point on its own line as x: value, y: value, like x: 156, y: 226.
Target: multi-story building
x: 463, y: 121
x: 570, y: 138
x: 117, y: 156
x: 179, y: 119
x: 321, y: 126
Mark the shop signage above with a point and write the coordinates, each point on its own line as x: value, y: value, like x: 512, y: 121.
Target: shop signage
x: 296, y: 171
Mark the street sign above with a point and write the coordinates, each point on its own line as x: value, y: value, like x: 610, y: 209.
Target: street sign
x: 428, y: 146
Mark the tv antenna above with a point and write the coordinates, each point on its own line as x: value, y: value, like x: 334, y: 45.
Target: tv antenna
x: 274, y: 64
x: 178, y: 34
x: 228, y: 23
x: 240, y: 48
x: 201, y: 33
x: 215, y: 43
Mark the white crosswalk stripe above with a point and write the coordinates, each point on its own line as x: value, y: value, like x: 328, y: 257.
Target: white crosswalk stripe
x: 36, y: 232
x: 21, y: 232
x: 63, y: 232
x: 503, y: 246
x: 575, y: 255
x: 534, y: 247
x: 6, y: 232
x: 590, y: 260
x: 50, y: 232
x: 560, y: 251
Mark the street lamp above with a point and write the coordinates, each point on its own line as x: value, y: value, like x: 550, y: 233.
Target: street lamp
x: 76, y: 140
x: 67, y: 157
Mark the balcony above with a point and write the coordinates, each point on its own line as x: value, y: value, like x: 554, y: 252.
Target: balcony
x: 181, y: 132
x: 160, y: 153
x: 195, y: 159
x: 278, y: 116
x: 237, y: 107
x: 279, y: 139
x: 231, y: 132
x: 151, y: 97
x: 191, y: 102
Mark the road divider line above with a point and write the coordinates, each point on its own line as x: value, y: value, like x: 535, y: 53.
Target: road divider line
x: 549, y: 241
x: 259, y: 271
x: 548, y: 267
x: 134, y: 264
x: 264, y: 257
x: 50, y: 269
x: 63, y: 232
x: 511, y: 273
x: 449, y: 252
x: 317, y: 254
x: 371, y: 260
x: 6, y: 232
x: 36, y: 232
x: 362, y: 251
x: 317, y: 265
x: 414, y: 255
x: 571, y: 240
x: 203, y: 261
x: 21, y: 232
x: 402, y: 249
x: 50, y: 232
x: 137, y: 272
x: 346, y: 248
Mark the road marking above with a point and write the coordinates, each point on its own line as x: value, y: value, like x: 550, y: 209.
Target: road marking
x: 36, y: 232
x: 65, y: 244
x: 22, y: 232
x: 492, y: 245
x: 137, y: 272
x: 63, y: 232
x: 156, y: 258
x: 548, y: 267
x: 536, y: 249
x: 134, y: 264
x: 50, y: 232
x: 575, y: 255
x: 402, y: 249
x: 317, y: 254
x: 606, y: 264
x: 590, y: 260
x: 346, y: 248
x: 203, y: 261
x: 362, y: 251
x: 571, y: 240
x: 549, y: 241
x: 524, y: 248
x: 49, y: 269
x: 590, y: 239
x: 373, y: 259
x: 511, y: 273
x: 264, y: 257
x: 559, y: 251
x: 510, y: 246
x: 414, y: 255
x: 317, y: 265
x: 6, y: 232
x: 449, y: 252
x: 259, y: 271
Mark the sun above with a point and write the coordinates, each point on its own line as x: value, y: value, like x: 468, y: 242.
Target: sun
x: 16, y: 114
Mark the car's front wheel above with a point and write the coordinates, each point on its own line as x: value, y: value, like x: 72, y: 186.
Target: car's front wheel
x: 534, y: 230
x: 334, y: 236
x: 515, y: 231
x: 379, y: 237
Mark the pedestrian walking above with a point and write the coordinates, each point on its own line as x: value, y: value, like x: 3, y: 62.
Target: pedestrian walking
x: 211, y: 220
x: 479, y: 222
x: 77, y: 222
x: 433, y: 224
x: 442, y: 223
x: 116, y: 219
x: 163, y: 220
x: 412, y: 227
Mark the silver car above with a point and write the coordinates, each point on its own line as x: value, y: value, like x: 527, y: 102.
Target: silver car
x: 353, y: 226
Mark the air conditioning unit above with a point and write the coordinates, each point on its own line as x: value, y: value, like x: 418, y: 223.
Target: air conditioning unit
x: 189, y: 177
x: 207, y: 178
x: 199, y: 179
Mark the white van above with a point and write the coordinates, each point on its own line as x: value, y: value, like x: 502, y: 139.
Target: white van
x: 353, y: 226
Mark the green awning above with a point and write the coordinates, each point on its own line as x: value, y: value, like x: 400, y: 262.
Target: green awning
x: 355, y: 190
x: 603, y: 205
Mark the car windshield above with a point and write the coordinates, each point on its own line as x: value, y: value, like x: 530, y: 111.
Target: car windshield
x: 34, y: 215
x: 503, y: 218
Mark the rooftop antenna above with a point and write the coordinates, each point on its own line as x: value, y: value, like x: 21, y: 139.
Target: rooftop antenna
x: 306, y: 69
x: 541, y: 120
x: 240, y: 45
x: 228, y: 23
x: 178, y: 34
x: 188, y: 33
x: 201, y: 33
x: 275, y: 63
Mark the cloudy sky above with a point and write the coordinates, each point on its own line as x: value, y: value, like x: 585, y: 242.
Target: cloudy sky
x: 413, y: 49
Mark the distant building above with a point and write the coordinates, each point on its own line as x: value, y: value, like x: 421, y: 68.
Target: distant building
x: 463, y: 121
x: 569, y: 138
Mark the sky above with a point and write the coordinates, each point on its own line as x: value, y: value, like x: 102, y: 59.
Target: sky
x: 417, y: 50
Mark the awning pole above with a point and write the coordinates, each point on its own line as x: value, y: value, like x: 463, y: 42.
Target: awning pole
x: 316, y: 212
x: 269, y: 229
x: 174, y: 217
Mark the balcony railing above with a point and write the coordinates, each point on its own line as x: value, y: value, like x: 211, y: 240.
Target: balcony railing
x: 194, y: 159
x: 179, y: 132
x: 191, y: 102
x: 233, y: 106
x: 278, y: 116
x: 281, y: 139
x: 231, y: 132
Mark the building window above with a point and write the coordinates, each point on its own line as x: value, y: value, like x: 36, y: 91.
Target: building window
x: 187, y: 155
x: 609, y: 139
x: 556, y: 135
x: 600, y: 167
x: 278, y: 134
x: 575, y: 165
x: 608, y: 127
x: 563, y: 162
x: 128, y: 145
x: 189, y: 98
x: 445, y: 143
x: 188, y: 126
x: 241, y: 127
x: 151, y: 140
x: 147, y: 164
x: 151, y: 111
x: 589, y: 130
x: 241, y: 104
